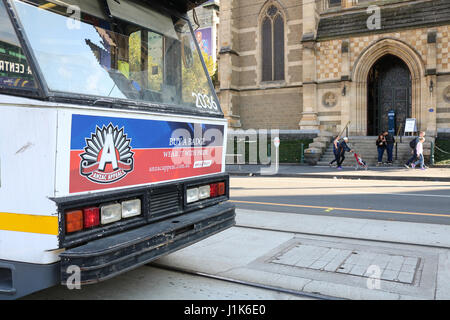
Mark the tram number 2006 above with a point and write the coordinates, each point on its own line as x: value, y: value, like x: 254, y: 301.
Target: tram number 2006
x: 202, y: 101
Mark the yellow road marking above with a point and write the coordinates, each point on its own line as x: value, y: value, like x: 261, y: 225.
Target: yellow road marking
x: 29, y: 223
x: 343, y: 209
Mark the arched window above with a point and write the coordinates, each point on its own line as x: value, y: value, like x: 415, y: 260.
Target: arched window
x: 272, y: 29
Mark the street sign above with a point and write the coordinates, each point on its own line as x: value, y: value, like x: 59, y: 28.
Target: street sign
x: 276, y: 142
x: 391, y: 122
x: 410, y: 125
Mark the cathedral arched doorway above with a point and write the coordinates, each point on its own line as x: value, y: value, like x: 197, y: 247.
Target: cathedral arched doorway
x: 388, y: 88
x: 389, y: 57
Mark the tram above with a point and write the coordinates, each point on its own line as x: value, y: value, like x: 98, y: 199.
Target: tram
x: 112, y: 140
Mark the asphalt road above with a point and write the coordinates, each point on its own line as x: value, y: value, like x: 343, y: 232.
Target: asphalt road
x: 412, y: 201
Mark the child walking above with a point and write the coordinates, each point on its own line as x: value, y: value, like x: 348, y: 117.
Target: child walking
x: 419, y: 152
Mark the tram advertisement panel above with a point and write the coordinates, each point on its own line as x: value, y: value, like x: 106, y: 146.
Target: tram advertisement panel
x: 109, y: 152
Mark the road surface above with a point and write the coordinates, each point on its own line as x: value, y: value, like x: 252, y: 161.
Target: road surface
x: 412, y: 201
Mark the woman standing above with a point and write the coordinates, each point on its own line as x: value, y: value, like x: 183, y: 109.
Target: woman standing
x: 381, y: 146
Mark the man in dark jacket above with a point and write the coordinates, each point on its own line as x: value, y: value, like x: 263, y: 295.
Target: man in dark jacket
x: 389, y: 145
x: 343, y: 147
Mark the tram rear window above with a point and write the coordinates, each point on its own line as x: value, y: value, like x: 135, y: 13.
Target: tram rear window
x: 142, y: 55
x: 14, y: 69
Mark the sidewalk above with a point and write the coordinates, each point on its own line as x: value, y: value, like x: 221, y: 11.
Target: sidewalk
x: 333, y: 256
x: 375, y: 173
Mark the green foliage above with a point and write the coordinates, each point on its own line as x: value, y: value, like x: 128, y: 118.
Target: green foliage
x: 442, y: 158
x: 289, y: 152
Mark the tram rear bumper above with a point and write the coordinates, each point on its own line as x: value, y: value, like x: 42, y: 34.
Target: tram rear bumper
x: 108, y: 257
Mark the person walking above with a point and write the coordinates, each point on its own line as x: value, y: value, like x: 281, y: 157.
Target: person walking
x: 419, y: 152
x: 413, y: 145
x: 381, y: 146
x: 390, y: 141
x: 335, y: 150
x: 343, y: 147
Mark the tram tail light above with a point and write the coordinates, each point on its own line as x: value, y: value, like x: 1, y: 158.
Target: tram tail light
x: 191, y: 195
x: 91, y: 217
x: 212, y: 190
x: 131, y: 208
x: 217, y: 189
x: 111, y: 213
x: 74, y: 221
x: 221, y: 188
x: 95, y: 216
x: 204, y: 192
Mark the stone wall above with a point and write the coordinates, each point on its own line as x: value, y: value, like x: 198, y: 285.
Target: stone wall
x: 261, y: 104
x: 271, y: 109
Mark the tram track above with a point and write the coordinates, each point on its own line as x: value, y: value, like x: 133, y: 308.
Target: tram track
x: 315, y: 296
x: 344, y: 237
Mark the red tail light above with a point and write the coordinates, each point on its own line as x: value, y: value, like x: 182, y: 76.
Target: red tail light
x: 91, y: 217
x: 214, y: 190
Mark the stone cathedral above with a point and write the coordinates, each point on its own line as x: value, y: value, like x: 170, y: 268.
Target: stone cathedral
x: 312, y: 66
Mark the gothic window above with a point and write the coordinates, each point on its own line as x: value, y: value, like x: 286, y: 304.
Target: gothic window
x: 272, y: 45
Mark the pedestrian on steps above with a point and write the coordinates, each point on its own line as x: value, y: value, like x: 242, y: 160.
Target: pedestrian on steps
x: 335, y: 150
x: 390, y: 141
x: 343, y: 147
x: 381, y: 146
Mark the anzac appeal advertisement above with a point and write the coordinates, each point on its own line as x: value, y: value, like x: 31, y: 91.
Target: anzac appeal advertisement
x: 111, y: 152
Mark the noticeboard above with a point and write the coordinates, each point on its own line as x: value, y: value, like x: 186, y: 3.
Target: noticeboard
x: 410, y: 125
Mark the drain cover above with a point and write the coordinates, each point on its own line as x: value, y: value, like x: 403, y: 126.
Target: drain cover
x: 362, y: 263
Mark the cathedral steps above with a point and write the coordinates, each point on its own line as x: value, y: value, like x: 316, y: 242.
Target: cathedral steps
x: 366, y: 148
x: 317, y: 147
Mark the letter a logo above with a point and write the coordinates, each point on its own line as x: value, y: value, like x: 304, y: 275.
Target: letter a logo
x: 109, y: 153
x: 107, y: 156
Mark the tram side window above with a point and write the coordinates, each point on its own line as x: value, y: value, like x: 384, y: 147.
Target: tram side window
x: 15, y: 72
